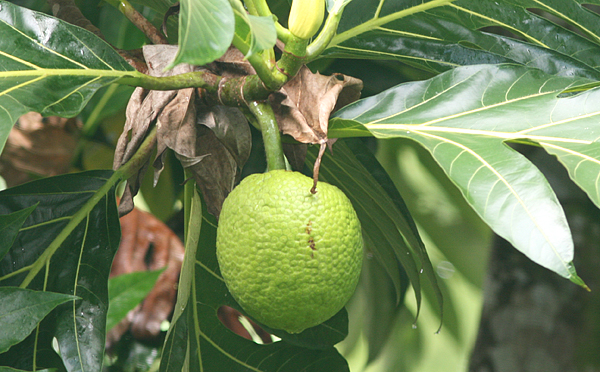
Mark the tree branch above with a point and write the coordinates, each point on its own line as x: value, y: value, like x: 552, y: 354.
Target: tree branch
x: 135, y: 17
x: 69, y: 12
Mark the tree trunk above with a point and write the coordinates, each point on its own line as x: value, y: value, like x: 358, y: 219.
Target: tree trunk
x: 532, y: 319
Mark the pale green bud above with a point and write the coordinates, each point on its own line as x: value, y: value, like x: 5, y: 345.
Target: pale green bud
x: 306, y: 17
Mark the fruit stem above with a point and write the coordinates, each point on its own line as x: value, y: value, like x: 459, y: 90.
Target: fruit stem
x: 270, y: 132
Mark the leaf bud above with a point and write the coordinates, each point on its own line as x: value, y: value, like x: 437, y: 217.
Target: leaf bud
x: 306, y: 17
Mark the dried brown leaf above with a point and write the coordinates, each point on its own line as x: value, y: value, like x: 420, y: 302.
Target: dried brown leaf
x: 303, y: 106
x: 145, y: 106
x: 148, y: 244
x: 231, y: 64
x: 222, y: 147
x: 212, y: 142
x: 143, y: 110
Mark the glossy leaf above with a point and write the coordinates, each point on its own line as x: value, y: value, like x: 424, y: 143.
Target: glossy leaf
x: 207, y: 343
x: 49, y: 66
x: 126, y: 291
x: 438, y: 35
x: 79, y: 266
x: 206, y: 29
x: 22, y: 309
x: 9, y: 227
x: 465, y: 116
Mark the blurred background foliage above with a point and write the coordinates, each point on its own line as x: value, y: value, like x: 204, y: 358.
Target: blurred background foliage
x: 384, y: 336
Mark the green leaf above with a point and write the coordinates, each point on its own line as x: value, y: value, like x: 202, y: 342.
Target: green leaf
x: 465, y: 116
x: 389, y: 232
x: 49, y: 66
x: 9, y: 228
x: 257, y: 32
x: 21, y: 310
x: 73, y: 262
x: 206, y: 30
x: 197, y: 339
x: 126, y: 291
x: 438, y: 35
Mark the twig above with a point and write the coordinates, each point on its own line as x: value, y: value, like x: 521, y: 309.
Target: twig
x: 69, y: 12
x: 155, y: 36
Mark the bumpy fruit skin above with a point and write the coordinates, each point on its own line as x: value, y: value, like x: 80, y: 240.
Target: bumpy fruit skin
x: 290, y: 258
x: 306, y: 17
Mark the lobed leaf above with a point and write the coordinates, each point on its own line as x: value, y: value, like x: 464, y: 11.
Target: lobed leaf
x: 464, y: 117
x: 127, y: 291
x: 49, y: 66
x: 439, y: 35
x: 79, y: 266
x: 10, y: 224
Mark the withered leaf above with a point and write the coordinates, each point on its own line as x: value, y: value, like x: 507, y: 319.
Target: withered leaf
x: 145, y: 106
x: 212, y: 142
x: 148, y: 244
x: 222, y: 147
x: 143, y: 110
x: 303, y: 106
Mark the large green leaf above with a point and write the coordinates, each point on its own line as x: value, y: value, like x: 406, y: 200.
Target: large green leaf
x: 206, y: 29
x: 65, y: 246
x: 49, y: 66
x: 438, y: 35
x: 464, y: 118
x: 197, y: 339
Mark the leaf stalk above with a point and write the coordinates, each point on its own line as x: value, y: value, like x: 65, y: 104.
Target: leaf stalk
x: 135, y: 17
